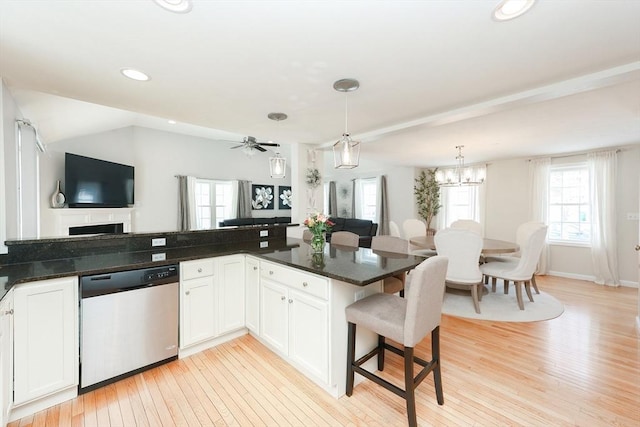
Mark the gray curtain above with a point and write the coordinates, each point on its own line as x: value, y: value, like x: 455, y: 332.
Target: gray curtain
x: 184, y: 207
x: 244, y: 199
x: 333, y: 199
x: 383, y: 207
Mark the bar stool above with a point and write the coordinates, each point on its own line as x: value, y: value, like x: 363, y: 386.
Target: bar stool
x: 406, y: 321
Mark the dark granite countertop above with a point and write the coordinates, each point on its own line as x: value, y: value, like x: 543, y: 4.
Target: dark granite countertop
x: 359, y: 266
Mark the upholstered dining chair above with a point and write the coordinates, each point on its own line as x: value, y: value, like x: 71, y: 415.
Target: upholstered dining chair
x: 463, y: 248
x: 468, y: 224
x: 406, y: 321
x: 345, y: 238
x: 413, y: 227
x: 394, y: 230
x: 391, y: 244
x: 522, y: 232
x: 522, y: 271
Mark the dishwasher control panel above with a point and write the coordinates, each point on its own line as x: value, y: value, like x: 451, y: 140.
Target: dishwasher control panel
x: 160, y: 273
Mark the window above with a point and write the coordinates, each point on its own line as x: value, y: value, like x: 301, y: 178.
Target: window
x: 569, y: 204
x: 368, y: 198
x: 213, y: 202
x: 460, y: 202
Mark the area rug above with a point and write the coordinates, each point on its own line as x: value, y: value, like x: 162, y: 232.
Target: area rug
x: 497, y: 306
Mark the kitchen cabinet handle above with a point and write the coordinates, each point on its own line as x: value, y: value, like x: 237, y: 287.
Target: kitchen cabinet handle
x: 283, y: 298
x: 305, y: 284
x: 290, y: 301
x: 199, y: 270
x: 637, y: 247
x: 270, y: 271
x: 255, y: 268
x: 187, y: 293
x: 8, y: 312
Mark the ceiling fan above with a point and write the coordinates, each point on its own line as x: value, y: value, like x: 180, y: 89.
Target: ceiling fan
x: 249, y: 144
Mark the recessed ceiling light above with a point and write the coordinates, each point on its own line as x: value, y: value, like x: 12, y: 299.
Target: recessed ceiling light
x: 176, y: 6
x: 509, y: 9
x: 135, y: 74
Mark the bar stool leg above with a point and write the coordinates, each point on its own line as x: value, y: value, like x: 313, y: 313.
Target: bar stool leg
x: 435, y: 355
x: 410, y: 394
x: 351, y: 354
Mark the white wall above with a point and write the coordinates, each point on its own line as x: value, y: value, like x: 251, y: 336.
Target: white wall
x: 158, y: 157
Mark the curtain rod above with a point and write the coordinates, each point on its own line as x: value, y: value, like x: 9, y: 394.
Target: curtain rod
x: 578, y: 153
x: 211, y: 179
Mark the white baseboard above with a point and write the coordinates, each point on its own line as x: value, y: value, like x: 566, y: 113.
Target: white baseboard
x: 626, y: 283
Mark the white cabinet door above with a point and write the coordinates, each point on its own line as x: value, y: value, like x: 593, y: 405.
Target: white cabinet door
x: 308, y: 333
x: 45, y: 337
x: 274, y: 315
x: 6, y: 355
x: 230, y: 284
x: 252, y: 295
x: 197, y: 313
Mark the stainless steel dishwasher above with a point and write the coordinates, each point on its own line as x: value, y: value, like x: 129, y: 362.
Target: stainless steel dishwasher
x: 129, y: 323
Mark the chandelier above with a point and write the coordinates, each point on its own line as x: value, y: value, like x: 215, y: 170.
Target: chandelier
x: 460, y: 174
x: 346, y: 151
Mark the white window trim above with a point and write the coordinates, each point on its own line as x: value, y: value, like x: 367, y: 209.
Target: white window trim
x: 559, y: 168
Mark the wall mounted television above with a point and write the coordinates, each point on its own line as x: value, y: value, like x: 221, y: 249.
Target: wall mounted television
x: 94, y: 183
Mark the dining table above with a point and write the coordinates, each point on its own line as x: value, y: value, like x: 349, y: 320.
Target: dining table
x: 489, y: 246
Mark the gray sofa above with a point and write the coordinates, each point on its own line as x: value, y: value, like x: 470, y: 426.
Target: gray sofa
x: 255, y: 221
x: 362, y: 227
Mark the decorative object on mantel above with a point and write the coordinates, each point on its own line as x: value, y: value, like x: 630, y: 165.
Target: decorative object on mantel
x: 57, y: 198
x: 318, y: 224
x: 346, y: 151
x: 461, y: 174
x: 285, y: 197
x: 277, y: 164
x: 262, y: 197
x: 427, y: 193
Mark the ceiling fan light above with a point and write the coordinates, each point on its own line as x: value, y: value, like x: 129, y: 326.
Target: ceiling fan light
x: 346, y: 153
x: 277, y: 166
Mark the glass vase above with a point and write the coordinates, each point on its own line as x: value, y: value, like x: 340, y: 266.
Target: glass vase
x: 317, y: 243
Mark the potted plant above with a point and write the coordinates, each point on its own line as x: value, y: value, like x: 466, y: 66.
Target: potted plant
x: 427, y: 193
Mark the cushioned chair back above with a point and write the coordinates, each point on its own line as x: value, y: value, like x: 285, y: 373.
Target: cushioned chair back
x: 523, y: 231
x: 530, y: 252
x: 468, y: 224
x: 424, y: 299
x: 413, y: 227
x: 463, y: 248
x: 345, y: 238
x: 390, y: 244
x: 394, y: 230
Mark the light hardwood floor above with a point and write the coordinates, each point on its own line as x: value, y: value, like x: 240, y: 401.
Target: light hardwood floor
x: 579, y: 369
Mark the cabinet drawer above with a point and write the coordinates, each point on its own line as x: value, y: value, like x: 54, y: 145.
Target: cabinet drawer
x: 314, y: 285
x: 195, y: 269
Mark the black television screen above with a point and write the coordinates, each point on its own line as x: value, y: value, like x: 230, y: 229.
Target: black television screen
x: 97, y: 183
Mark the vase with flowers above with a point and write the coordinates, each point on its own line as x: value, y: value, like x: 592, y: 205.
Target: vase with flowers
x: 318, y: 224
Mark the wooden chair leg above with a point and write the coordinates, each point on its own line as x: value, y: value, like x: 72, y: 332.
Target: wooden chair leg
x: 409, y: 386
x: 486, y: 279
x: 435, y: 356
x: 380, y: 353
x: 527, y: 287
x: 519, y: 294
x: 480, y: 291
x: 351, y: 357
x: 535, y: 285
x: 506, y: 286
x: 474, y: 295
x: 494, y: 280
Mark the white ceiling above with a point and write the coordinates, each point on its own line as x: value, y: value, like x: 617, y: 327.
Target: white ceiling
x: 565, y: 77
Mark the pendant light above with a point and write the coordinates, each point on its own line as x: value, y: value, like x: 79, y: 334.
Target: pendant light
x: 277, y: 164
x: 346, y: 151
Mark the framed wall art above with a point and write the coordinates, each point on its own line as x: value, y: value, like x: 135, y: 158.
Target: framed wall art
x: 284, y: 197
x: 262, y: 197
